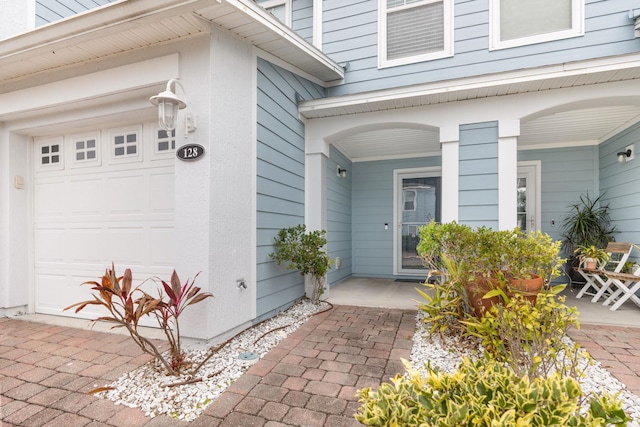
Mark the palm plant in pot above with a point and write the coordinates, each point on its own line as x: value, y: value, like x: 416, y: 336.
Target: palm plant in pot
x: 591, y: 257
x: 588, y: 223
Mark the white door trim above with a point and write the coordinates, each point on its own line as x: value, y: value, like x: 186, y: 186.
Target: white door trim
x: 428, y: 171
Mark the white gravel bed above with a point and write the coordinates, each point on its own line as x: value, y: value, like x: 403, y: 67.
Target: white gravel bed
x: 146, y: 387
x: 448, y: 355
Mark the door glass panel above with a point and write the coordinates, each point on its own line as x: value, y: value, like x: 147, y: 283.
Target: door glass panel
x: 419, y: 205
x: 522, y: 204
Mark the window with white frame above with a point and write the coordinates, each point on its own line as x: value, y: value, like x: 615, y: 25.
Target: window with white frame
x: 281, y: 9
x: 125, y: 145
x: 86, y: 150
x: 165, y: 141
x: 49, y: 154
x: 518, y: 23
x: 414, y: 30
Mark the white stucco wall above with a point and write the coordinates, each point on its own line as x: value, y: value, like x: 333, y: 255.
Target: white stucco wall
x: 215, y: 204
x: 215, y: 196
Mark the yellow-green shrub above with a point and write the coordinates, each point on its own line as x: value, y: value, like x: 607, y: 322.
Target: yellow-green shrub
x: 484, y: 393
x: 530, y: 338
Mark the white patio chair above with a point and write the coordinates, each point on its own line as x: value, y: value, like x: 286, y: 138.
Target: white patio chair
x: 597, y: 279
x: 626, y: 287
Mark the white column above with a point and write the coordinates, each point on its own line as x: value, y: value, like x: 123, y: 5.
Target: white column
x: 508, y: 132
x: 315, y: 193
x: 449, y: 140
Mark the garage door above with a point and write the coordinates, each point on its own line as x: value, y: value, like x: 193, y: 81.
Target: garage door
x: 100, y: 196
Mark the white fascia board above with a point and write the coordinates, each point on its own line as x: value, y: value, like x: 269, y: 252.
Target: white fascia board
x: 258, y: 14
x: 86, y: 24
x: 474, y: 83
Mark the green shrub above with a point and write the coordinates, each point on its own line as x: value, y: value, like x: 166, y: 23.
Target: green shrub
x: 530, y: 337
x: 484, y: 393
x: 304, y: 251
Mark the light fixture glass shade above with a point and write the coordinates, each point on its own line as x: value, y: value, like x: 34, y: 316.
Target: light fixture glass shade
x: 167, y: 115
x: 168, y: 105
x: 622, y: 157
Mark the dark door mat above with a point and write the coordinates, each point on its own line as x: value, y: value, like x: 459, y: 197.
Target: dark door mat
x: 410, y: 280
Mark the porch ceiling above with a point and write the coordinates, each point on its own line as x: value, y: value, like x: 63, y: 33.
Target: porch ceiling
x: 580, y: 126
x: 128, y: 26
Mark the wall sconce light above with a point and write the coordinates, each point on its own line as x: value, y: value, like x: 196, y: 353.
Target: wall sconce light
x: 168, y: 106
x: 342, y: 173
x: 627, y: 155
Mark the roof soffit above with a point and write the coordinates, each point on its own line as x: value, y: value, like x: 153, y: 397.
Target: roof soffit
x: 130, y: 25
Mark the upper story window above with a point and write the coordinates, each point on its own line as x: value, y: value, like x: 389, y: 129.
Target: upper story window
x: 281, y: 9
x: 518, y: 23
x: 414, y: 30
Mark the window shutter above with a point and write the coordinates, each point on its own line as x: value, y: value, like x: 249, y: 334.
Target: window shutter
x: 415, y: 30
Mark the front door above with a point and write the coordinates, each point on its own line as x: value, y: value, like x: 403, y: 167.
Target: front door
x: 417, y: 203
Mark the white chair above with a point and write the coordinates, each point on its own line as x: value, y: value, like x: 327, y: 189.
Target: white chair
x: 597, y: 279
x: 626, y: 287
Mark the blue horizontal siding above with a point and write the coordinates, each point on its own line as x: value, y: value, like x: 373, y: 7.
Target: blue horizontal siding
x: 350, y: 35
x: 339, y: 215
x: 620, y: 184
x: 478, y: 164
x: 373, y: 204
x: 280, y: 179
x: 566, y: 174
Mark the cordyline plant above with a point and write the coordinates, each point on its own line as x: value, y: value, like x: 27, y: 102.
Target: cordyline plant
x: 127, y: 305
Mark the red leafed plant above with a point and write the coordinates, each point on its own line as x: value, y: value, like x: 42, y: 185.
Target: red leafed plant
x: 127, y: 305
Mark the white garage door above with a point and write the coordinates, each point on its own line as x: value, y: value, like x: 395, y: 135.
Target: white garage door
x: 99, y: 197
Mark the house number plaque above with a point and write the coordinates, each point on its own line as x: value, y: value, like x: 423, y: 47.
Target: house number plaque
x: 190, y: 152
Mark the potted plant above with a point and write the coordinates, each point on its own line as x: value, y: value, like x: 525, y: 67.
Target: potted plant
x: 591, y: 257
x: 588, y: 223
x: 483, y: 259
x: 304, y: 251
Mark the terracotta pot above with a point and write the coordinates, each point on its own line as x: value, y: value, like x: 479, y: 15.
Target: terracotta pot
x: 475, y: 293
x: 530, y: 288
x: 590, y: 264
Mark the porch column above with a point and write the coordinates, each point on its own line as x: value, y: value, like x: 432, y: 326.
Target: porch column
x: 449, y: 141
x: 508, y: 132
x: 315, y: 193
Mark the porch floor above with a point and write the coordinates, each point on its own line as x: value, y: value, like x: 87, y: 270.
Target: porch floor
x: 387, y: 293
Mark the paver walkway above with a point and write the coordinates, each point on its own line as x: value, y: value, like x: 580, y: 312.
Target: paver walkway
x: 309, y: 379
x: 617, y: 348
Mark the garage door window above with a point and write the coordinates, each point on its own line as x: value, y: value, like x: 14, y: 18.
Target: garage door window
x: 126, y: 145
x: 87, y: 151
x: 165, y: 141
x: 49, y: 152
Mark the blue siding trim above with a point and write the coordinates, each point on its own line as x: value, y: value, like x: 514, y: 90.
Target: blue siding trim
x: 566, y: 173
x: 350, y: 30
x: 48, y: 11
x: 280, y: 180
x: 620, y: 185
x: 373, y: 204
x: 339, y: 222
x: 478, y: 163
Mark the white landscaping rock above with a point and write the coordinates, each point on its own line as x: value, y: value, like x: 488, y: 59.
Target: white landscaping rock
x: 448, y: 355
